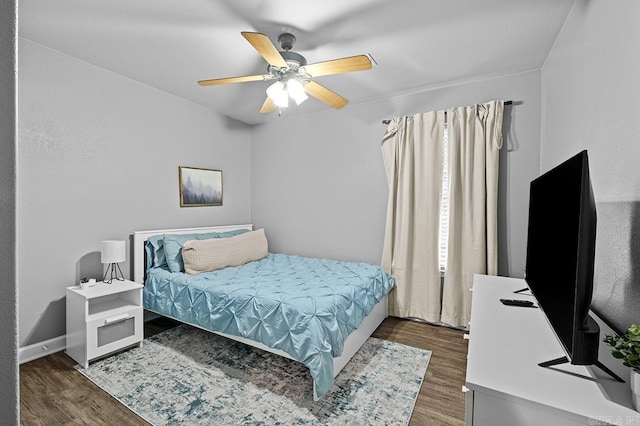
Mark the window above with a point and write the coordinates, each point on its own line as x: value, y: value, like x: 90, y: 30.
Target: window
x: 443, y: 234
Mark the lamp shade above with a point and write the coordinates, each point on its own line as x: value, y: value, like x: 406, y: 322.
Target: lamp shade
x: 112, y: 251
x: 296, y: 91
x: 278, y: 94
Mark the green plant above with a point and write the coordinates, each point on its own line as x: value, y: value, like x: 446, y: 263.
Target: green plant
x: 626, y: 347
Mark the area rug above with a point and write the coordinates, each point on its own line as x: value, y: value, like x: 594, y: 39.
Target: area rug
x: 189, y: 376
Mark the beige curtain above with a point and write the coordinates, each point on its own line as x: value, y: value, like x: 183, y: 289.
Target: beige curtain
x: 412, y: 149
x: 412, y: 152
x: 475, y: 139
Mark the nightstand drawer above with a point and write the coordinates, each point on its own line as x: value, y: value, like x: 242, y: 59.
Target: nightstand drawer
x: 114, y: 332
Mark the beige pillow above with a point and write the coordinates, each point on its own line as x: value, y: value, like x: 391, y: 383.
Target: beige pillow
x: 217, y: 253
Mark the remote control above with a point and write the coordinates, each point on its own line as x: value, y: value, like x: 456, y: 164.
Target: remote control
x: 515, y: 302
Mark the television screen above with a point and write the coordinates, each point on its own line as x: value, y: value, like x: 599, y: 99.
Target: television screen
x: 560, y: 255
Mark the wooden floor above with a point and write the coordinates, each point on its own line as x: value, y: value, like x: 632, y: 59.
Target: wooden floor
x: 441, y: 400
x: 52, y: 392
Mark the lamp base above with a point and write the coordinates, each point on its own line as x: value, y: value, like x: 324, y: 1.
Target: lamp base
x: 113, y: 270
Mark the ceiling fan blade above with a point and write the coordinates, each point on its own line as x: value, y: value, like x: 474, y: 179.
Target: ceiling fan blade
x: 337, y: 66
x: 268, y: 106
x: 265, y: 48
x: 325, y: 95
x: 240, y: 79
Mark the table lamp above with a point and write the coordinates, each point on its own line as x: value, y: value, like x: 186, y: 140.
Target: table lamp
x: 112, y: 252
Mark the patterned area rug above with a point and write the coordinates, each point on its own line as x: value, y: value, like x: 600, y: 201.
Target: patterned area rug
x: 189, y: 376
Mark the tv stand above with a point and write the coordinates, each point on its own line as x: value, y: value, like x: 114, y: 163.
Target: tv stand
x: 565, y: 360
x: 506, y: 387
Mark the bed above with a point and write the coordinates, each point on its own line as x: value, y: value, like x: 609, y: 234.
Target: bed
x: 315, y: 311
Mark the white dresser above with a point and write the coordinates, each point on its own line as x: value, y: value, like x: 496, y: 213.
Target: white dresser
x: 507, y: 387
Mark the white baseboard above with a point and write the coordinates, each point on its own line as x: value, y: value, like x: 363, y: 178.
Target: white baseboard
x: 38, y: 350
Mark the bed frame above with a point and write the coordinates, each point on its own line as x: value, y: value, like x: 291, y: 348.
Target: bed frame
x: 351, y: 345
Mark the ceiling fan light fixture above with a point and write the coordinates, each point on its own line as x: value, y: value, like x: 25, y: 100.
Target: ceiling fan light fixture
x: 293, y: 76
x: 296, y: 91
x: 278, y: 93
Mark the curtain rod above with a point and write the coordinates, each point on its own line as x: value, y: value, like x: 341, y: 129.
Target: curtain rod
x: 389, y: 121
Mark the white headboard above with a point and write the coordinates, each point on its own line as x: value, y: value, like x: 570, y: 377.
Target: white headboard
x: 140, y: 237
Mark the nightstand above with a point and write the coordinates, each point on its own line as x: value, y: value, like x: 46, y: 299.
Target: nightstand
x: 103, y: 319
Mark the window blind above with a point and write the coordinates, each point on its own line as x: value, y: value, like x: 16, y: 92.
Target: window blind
x: 443, y: 234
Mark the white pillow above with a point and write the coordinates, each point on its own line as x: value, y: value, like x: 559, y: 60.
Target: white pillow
x: 217, y: 253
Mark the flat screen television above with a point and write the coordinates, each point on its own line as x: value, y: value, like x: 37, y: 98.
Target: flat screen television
x: 560, y: 257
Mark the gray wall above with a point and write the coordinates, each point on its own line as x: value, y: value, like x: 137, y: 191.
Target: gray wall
x: 318, y: 181
x: 591, y: 95
x: 8, y: 306
x: 98, y: 158
x: 591, y: 100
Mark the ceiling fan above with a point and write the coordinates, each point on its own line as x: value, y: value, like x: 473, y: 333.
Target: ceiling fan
x: 292, y: 73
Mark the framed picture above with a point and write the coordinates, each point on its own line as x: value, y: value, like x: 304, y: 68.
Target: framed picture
x: 200, y: 187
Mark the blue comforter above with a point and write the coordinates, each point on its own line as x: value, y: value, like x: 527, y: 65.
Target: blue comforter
x: 303, y: 306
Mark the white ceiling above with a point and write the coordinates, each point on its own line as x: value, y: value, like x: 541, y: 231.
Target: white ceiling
x: 418, y: 44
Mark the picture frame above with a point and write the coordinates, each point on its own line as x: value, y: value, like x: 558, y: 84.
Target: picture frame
x: 199, y: 187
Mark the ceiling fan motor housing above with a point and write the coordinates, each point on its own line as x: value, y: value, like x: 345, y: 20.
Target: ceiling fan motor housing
x: 294, y: 60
